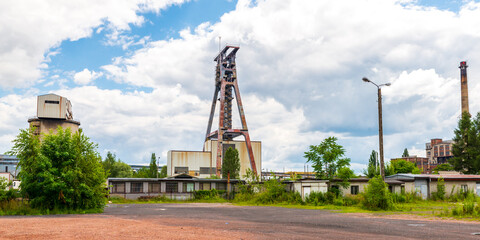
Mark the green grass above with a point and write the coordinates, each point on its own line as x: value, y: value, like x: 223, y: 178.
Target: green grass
x: 14, y: 207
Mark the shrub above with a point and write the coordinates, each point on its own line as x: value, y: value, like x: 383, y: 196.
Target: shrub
x: 399, y: 198
x: 316, y: 198
x: 208, y: 194
x: 352, y: 200
x: 376, y: 195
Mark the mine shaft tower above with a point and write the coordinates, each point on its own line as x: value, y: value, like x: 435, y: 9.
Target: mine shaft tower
x: 226, y: 84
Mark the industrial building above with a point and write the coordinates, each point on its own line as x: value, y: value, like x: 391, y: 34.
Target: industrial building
x: 8, y: 164
x: 209, y: 161
x: 203, y: 163
x: 180, y: 187
x: 53, y: 111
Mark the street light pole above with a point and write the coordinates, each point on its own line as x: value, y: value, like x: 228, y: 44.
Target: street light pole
x: 380, y: 125
x: 380, y: 133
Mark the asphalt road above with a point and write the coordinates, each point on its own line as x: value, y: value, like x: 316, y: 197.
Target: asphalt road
x: 289, y: 223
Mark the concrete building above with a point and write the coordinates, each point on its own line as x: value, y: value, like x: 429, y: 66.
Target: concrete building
x: 9, y: 164
x: 358, y: 185
x: 53, y: 111
x: 438, y: 151
x: 306, y: 186
x: 425, y: 184
x: 202, y: 164
x: 421, y: 162
x: 180, y: 187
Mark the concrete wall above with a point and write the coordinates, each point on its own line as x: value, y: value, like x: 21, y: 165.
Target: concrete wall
x: 314, y: 186
x: 192, y: 160
x: 456, y: 185
x: 43, y: 126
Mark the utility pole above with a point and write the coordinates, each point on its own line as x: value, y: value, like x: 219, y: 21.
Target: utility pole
x: 158, y: 161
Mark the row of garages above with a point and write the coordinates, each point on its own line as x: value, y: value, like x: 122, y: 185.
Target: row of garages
x: 182, y: 186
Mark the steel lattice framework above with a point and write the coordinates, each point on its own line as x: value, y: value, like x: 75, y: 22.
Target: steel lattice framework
x: 226, y: 84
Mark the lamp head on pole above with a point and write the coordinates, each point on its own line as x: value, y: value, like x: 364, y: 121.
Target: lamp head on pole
x: 365, y: 79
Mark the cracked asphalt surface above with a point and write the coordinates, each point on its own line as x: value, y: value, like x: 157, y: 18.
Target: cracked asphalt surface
x: 226, y: 221
x: 283, y: 223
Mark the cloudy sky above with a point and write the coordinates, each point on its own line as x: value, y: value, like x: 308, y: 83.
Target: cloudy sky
x: 140, y: 73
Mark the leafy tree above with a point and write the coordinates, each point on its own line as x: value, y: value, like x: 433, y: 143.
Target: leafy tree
x: 153, y: 169
x: 62, y: 171
x: 373, y: 168
x: 403, y: 166
x: 466, y: 146
x: 143, y: 172
x: 116, y: 168
x: 326, y: 158
x: 163, y: 172
x: 231, y: 164
x: 405, y: 153
x: 443, y: 167
x: 345, y: 173
x: 389, y: 170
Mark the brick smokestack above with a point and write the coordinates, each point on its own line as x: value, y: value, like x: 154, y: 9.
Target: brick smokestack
x: 464, y: 86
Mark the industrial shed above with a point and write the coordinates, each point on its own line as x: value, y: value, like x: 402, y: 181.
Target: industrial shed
x: 180, y: 187
x: 425, y: 184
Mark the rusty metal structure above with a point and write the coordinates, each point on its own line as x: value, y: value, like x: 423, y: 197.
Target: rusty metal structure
x: 464, y: 86
x: 226, y: 85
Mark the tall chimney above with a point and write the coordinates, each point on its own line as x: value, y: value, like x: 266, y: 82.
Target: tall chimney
x: 464, y: 86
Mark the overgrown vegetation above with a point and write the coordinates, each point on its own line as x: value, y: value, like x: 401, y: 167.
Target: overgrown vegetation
x: 62, y: 172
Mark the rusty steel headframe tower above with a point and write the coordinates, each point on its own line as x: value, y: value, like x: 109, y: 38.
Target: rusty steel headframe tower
x: 464, y: 86
x: 226, y: 84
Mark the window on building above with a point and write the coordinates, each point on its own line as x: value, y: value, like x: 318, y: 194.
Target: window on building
x: 464, y: 188
x: 207, y: 170
x: 52, y: 102
x: 188, y: 187
x: 402, y: 189
x: 179, y: 170
x: 154, y: 187
x: 354, y: 189
x: 221, y: 186
x: 6, y: 168
x: 441, y: 154
x: 118, y: 188
x: 205, y: 186
x: 136, y: 187
x: 172, y: 187
x: 447, y: 153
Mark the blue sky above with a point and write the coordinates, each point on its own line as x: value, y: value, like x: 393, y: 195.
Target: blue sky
x: 140, y: 73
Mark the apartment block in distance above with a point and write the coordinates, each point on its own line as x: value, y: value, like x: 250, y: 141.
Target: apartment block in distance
x: 439, y: 151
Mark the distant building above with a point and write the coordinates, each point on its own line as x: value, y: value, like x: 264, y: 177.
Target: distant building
x: 439, y: 151
x: 8, y: 164
x: 421, y: 162
x: 53, y: 111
